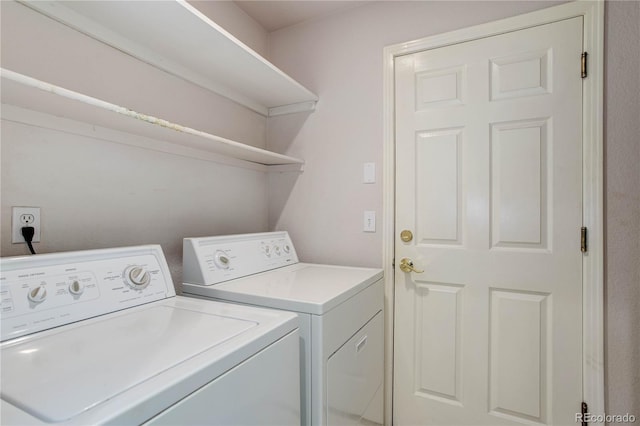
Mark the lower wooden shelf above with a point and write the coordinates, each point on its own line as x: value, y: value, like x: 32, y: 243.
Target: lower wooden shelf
x: 29, y: 93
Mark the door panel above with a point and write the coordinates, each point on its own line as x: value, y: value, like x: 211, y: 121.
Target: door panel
x: 489, y: 180
x: 438, y: 349
x: 438, y: 186
x: 519, y: 362
x: 519, y: 179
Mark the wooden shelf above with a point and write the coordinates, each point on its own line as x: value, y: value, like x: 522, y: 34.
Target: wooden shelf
x: 177, y: 38
x: 32, y: 94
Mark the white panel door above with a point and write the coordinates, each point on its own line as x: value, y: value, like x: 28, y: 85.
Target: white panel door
x: 489, y: 181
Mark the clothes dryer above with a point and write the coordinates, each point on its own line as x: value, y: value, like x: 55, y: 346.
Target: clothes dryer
x: 340, y: 311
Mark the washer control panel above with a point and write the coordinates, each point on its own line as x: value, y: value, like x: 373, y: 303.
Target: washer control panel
x: 45, y: 291
x: 212, y: 260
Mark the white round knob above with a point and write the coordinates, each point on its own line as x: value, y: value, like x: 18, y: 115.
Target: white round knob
x: 267, y: 251
x: 76, y: 288
x: 221, y: 260
x: 139, y: 278
x: 38, y: 294
x: 277, y: 250
x: 287, y: 248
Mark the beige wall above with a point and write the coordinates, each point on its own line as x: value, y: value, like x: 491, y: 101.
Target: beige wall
x: 622, y: 210
x: 93, y: 193
x: 236, y: 21
x: 340, y: 58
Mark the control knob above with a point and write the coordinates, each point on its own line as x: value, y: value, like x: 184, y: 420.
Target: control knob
x: 38, y: 294
x: 222, y: 260
x: 76, y: 288
x: 137, y: 277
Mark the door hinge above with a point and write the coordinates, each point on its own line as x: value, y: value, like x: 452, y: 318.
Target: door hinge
x: 584, y: 243
x: 583, y: 64
x: 393, y: 263
x: 584, y: 410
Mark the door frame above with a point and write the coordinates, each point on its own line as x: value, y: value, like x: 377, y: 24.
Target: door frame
x: 593, y: 180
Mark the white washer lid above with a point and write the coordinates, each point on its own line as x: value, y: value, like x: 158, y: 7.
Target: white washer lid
x: 303, y: 287
x: 58, y: 376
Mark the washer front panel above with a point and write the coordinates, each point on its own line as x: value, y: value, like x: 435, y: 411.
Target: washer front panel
x: 95, y: 362
x: 45, y: 291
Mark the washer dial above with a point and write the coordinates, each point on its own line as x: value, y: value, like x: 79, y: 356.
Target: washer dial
x: 137, y: 277
x: 37, y: 294
x: 76, y: 288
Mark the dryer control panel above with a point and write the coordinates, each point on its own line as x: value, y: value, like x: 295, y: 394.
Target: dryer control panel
x: 212, y: 260
x: 49, y: 290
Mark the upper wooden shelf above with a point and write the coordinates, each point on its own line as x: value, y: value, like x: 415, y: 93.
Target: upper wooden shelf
x: 177, y: 38
x: 29, y: 93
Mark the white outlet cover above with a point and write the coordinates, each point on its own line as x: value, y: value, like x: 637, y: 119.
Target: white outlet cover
x: 16, y: 224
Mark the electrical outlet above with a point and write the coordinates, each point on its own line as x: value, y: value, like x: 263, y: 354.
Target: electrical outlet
x: 25, y: 216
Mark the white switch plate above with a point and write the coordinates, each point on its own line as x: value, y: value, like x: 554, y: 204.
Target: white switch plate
x: 25, y: 216
x: 369, y: 221
x: 369, y: 173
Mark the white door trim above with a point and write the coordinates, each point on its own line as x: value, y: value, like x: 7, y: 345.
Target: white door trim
x: 593, y: 178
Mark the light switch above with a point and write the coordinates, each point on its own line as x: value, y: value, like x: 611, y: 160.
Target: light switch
x: 369, y: 221
x: 369, y: 175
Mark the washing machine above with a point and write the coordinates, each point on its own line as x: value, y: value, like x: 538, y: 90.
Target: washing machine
x: 100, y: 337
x: 340, y: 311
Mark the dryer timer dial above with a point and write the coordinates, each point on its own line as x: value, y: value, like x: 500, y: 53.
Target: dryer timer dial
x: 221, y: 259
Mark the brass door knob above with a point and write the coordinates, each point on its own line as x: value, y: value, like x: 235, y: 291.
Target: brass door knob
x: 406, y: 235
x: 406, y: 265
